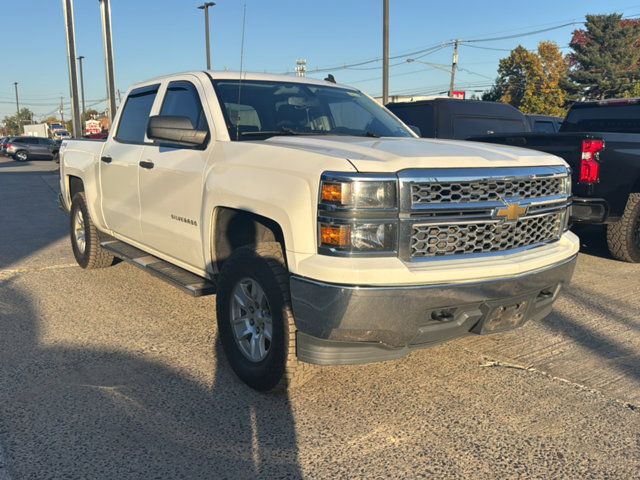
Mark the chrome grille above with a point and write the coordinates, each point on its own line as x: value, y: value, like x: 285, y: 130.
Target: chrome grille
x: 433, y: 240
x: 483, y: 190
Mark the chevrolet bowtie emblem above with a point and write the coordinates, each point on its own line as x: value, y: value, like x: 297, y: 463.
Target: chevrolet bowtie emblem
x: 511, y: 212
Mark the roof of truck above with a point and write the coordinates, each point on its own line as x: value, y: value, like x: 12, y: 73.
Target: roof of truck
x: 227, y: 75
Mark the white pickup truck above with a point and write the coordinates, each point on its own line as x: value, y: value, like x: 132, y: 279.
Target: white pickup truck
x: 329, y: 231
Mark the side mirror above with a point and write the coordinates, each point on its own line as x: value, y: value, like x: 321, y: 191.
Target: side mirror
x: 175, y: 129
x: 415, y: 129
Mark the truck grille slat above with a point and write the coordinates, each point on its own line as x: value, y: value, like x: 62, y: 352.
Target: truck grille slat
x: 482, y: 190
x: 484, y: 237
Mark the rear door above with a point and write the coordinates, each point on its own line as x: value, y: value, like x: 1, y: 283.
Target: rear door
x: 44, y: 147
x: 171, y: 188
x: 119, y: 164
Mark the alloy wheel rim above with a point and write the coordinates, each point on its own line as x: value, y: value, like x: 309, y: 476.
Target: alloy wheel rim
x: 79, y: 231
x: 22, y: 156
x: 251, y: 320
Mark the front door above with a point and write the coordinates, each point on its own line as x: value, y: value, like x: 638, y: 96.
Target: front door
x: 171, y: 187
x: 120, y: 165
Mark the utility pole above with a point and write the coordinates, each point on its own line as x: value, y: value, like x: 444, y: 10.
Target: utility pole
x: 15, y: 85
x: 454, y: 67
x: 67, y: 6
x: 205, y: 6
x: 62, y: 110
x: 385, y: 52
x: 107, y: 43
x: 80, y: 58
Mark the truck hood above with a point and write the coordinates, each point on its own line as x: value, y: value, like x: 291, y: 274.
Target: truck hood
x: 392, y: 154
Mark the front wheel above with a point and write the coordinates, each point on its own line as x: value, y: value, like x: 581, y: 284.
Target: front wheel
x: 21, y: 156
x: 255, y: 319
x: 85, y: 240
x: 623, y: 237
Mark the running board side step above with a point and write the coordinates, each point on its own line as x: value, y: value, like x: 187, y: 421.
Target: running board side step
x: 176, y: 276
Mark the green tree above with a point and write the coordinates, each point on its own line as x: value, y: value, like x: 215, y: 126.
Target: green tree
x: 532, y: 81
x: 14, y: 123
x: 606, y: 57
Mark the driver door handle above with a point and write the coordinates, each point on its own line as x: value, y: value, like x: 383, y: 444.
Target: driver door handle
x: 146, y: 164
x: 106, y: 159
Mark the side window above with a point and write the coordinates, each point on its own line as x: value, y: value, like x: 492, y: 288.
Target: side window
x: 544, y: 127
x: 182, y: 100
x: 135, y: 115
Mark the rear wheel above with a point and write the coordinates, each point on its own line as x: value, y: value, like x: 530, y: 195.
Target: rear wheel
x: 85, y: 240
x: 21, y: 156
x: 623, y: 237
x: 255, y: 319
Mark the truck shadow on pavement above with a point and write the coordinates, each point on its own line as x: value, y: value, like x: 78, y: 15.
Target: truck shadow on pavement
x: 94, y: 413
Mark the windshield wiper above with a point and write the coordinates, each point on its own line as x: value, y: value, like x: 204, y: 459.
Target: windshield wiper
x: 282, y: 131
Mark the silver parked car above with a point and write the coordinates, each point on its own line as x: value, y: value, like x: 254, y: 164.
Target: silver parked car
x: 26, y: 148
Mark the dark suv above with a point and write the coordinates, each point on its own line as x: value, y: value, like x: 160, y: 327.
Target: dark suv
x: 26, y: 148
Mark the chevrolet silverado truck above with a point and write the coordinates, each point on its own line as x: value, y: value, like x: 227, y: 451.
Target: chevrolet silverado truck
x: 330, y: 233
x: 600, y: 140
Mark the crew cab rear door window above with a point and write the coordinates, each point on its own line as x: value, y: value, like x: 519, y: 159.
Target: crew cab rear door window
x: 135, y: 115
x: 181, y: 99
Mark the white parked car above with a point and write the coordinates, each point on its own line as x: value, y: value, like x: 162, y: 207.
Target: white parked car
x: 330, y: 233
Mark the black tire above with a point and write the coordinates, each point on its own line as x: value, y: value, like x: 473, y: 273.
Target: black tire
x: 92, y: 255
x: 280, y: 369
x: 623, y: 237
x: 21, y: 156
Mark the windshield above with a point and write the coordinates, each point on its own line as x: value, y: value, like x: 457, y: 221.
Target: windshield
x: 257, y: 110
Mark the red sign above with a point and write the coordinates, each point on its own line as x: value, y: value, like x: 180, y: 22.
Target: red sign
x: 459, y: 94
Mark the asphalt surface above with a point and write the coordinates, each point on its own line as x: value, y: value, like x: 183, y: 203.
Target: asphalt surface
x: 114, y: 374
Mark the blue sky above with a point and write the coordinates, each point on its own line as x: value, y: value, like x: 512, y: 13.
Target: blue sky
x: 164, y: 36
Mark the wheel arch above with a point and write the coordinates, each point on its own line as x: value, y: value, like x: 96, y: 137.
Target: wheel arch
x: 233, y: 228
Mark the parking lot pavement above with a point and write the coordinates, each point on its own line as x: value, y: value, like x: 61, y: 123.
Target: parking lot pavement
x: 114, y: 374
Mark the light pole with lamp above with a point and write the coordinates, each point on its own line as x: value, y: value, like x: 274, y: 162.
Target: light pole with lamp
x: 205, y: 6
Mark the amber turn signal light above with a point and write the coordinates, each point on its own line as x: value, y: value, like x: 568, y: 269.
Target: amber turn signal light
x: 332, y: 192
x: 335, y: 235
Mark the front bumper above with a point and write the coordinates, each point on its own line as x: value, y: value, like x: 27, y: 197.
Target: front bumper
x: 589, y: 210
x: 340, y: 324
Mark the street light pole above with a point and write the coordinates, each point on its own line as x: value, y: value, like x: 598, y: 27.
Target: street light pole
x: 107, y: 44
x: 67, y: 6
x: 385, y: 52
x: 205, y: 6
x: 80, y: 58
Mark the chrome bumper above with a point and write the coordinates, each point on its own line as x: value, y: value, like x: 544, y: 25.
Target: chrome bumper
x: 341, y: 324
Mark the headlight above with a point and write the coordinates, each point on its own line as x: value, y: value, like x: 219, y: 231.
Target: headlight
x: 358, y: 192
x: 358, y: 214
x: 358, y: 237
